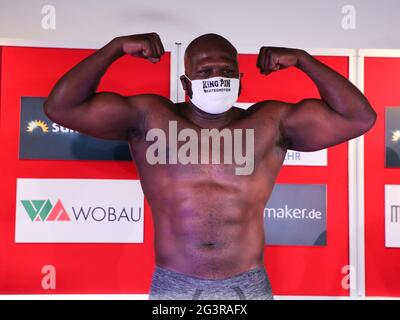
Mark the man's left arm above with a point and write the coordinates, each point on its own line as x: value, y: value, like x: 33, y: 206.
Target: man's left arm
x: 341, y: 114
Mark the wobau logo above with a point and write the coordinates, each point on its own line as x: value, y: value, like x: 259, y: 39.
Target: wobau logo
x: 79, y: 211
x: 43, y: 210
x: 109, y: 214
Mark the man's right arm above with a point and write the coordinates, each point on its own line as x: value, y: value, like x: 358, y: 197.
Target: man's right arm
x: 74, y: 103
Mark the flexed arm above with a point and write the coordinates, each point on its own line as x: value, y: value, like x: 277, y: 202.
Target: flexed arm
x: 341, y: 114
x: 74, y: 103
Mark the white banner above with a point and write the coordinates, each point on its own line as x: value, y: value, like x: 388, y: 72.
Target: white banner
x: 392, y: 216
x: 79, y: 210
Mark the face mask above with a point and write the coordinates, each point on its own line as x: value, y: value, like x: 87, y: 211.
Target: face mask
x: 214, y: 95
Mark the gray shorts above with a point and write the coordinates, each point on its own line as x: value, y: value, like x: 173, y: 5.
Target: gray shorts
x: 170, y: 285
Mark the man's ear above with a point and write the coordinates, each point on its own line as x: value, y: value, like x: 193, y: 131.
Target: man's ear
x: 183, y: 81
x: 186, y: 85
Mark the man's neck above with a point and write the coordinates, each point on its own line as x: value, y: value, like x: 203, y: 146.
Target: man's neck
x: 207, y: 120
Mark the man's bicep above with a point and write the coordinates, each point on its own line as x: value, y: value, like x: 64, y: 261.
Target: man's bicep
x: 312, y: 125
x: 106, y: 116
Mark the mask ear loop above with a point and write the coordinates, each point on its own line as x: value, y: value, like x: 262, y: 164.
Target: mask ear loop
x: 190, y: 83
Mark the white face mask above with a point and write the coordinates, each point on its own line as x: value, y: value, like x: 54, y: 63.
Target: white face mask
x: 214, y: 95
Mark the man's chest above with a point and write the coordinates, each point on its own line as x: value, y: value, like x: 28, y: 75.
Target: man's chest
x: 236, y: 149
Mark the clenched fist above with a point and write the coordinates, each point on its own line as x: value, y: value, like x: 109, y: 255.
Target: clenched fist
x: 271, y: 59
x: 146, y: 45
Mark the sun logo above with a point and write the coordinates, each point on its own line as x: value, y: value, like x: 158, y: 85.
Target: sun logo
x: 32, y: 125
x: 396, y: 136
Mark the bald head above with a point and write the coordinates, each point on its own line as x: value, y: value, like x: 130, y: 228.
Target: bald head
x: 209, y: 41
x: 209, y: 45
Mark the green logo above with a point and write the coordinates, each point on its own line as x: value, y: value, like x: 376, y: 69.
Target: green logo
x: 43, y: 210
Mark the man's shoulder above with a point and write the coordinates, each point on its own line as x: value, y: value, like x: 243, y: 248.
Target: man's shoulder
x: 273, y: 108
x: 151, y: 103
x: 149, y: 99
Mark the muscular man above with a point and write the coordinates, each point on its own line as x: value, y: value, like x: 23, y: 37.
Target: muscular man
x: 208, y: 220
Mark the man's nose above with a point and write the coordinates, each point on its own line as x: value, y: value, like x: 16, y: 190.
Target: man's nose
x: 217, y: 73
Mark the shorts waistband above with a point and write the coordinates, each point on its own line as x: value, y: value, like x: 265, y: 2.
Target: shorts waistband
x: 199, y: 282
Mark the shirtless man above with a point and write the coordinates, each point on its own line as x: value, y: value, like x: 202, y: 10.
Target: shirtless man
x: 208, y: 221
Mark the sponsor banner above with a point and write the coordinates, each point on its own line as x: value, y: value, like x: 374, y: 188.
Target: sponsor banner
x: 296, y: 215
x: 79, y: 211
x: 314, y: 158
x: 392, y: 216
x: 392, y: 137
x: 297, y: 158
x: 41, y: 138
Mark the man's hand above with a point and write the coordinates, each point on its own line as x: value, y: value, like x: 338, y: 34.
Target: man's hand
x: 271, y: 59
x: 147, y: 46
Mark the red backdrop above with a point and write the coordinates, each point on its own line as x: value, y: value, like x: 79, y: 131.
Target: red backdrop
x: 382, y: 264
x: 1, y: 50
x: 301, y: 270
x: 81, y: 268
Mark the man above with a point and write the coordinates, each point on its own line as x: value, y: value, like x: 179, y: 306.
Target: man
x: 208, y: 219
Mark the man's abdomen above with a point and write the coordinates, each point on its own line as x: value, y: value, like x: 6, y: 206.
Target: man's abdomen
x: 211, y: 234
